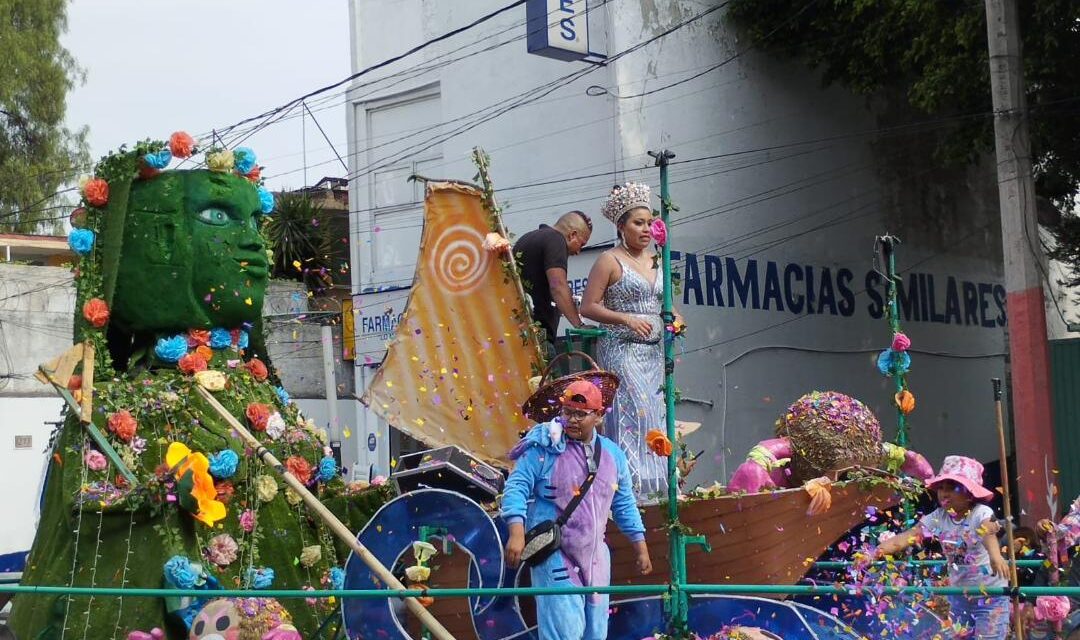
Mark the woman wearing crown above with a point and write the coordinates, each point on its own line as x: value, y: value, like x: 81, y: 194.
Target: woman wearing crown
x: 624, y: 295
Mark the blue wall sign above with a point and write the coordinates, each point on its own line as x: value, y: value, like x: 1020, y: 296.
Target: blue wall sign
x: 558, y: 28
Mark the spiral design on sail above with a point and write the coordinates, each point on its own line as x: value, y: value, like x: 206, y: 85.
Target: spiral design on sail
x: 458, y: 259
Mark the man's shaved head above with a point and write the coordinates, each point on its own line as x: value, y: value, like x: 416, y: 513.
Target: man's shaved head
x: 575, y: 221
x: 576, y: 227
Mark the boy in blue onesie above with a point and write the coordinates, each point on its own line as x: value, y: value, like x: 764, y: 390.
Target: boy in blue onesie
x: 551, y: 463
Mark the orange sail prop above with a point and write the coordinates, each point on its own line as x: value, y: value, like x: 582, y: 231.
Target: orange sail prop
x: 457, y: 369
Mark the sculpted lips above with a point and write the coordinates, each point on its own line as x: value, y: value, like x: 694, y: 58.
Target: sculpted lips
x: 253, y: 265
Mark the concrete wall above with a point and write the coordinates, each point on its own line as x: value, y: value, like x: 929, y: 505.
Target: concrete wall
x: 35, y: 326
x: 798, y: 181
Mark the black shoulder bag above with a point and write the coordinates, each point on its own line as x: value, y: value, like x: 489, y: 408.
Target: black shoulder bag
x: 545, y: 538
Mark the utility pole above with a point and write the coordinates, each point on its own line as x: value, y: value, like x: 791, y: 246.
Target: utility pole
x: 1028, y: 349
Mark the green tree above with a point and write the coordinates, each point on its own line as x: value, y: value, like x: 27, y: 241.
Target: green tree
x: 38, y: 155
x: 299, y: 233
x: 931, y: 57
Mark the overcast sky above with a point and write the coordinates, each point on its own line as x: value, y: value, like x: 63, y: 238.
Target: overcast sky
x: 156, y: 66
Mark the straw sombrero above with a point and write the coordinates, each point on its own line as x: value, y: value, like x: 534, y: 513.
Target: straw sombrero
x: 544, y: 404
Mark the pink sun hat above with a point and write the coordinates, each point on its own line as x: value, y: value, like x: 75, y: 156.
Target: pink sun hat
x: 965, y: 471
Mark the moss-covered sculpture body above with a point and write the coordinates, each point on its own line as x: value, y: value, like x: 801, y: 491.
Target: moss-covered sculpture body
x: 179, y: 267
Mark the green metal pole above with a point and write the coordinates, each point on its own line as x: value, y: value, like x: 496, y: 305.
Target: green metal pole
x: 899, y: 378
x: 678, y: 605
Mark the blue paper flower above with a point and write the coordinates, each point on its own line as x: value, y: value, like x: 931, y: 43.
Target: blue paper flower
x: 220, y: 338
x: 260, y: 578
x: 243, y: 159
x: 243, y: 340
x: 327, y: 469
x: 81, y: 241
x: 171, y: 349
x: 223, y: 464
x: 282, y: 395
x: 158, y: 160
x: 266, y: 200
x: 890, y: 362
x: 337, y: 578
x: 181, y: 573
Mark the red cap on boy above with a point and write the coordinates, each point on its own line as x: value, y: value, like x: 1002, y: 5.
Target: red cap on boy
x: 582, y: 394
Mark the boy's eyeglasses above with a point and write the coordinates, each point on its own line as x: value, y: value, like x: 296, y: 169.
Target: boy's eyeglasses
x: 576, y: 414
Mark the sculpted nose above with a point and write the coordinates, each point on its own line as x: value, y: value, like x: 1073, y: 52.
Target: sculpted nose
x: 252, y: 241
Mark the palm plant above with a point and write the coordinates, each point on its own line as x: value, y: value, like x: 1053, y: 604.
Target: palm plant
x: 299, y: 234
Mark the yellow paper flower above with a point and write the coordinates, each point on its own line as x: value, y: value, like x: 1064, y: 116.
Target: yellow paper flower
x: 266, y: 488
x: 416, y: 573
x: 310, y: 556
x: 423, y: 551
x: 220, y: 160
x: 210, y: 380
x: 183, y: 460
x: 292, y: 497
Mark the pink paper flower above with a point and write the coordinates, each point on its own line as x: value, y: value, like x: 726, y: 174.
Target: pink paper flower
x: 900, y: 342
x: 495, y: 243
x: 247, y: 521
x: 95, y: 460
x: 1051, y: 608
x: 658, y: 231
x: 222, y: 550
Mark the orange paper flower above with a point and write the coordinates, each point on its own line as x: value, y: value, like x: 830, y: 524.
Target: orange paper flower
x: 96, y: 192
x: 181, y: 144
x: 206, y: 352
x: 123, y: 424
x: 905, y: 401
x: 658, y: 443
x: 258, y: 414
x: 257, y: 369
x: 299, y: 467
x: 198, y: 337
x: 192, y: 363
x: 96, y: 312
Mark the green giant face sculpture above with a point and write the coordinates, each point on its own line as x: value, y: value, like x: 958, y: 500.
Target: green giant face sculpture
x: 192, y: 254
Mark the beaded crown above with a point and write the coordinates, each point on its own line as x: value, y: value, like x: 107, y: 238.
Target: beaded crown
x: 624, y: 198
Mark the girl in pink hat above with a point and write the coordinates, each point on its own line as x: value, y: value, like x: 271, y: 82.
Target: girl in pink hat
x: 961, y: 524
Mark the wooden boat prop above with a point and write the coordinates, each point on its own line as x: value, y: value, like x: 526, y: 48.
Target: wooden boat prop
x: 756, y: 538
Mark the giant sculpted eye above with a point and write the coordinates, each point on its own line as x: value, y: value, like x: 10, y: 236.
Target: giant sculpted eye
x: 214, y: 216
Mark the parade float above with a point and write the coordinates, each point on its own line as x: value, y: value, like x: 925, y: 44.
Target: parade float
x: 454, y: 377
x: 183, y: 465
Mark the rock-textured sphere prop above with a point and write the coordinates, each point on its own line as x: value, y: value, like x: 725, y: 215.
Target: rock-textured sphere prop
x: 829, y: 431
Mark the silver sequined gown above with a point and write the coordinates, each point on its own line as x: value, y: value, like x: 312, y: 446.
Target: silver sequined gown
x: 639, y: 403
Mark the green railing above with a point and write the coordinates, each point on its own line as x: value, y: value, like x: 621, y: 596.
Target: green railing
x: 639, y: 590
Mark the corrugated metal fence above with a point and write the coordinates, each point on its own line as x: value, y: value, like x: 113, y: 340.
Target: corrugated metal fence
x: 1065, y: 378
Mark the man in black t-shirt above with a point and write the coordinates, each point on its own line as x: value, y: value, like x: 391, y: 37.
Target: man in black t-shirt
x: 542, y: 255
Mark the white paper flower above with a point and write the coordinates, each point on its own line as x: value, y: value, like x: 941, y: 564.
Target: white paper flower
x: 275, y: 426
x: 423, y: 551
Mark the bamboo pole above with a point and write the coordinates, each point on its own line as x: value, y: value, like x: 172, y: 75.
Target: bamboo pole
x: 335, y: 525
x: 1018, y: 620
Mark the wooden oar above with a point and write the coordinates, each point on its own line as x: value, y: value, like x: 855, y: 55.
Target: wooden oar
x: 335, y: 525
x: 1018, y: 619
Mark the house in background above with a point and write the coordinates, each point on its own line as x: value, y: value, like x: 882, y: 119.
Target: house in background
x: 51, y: 251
